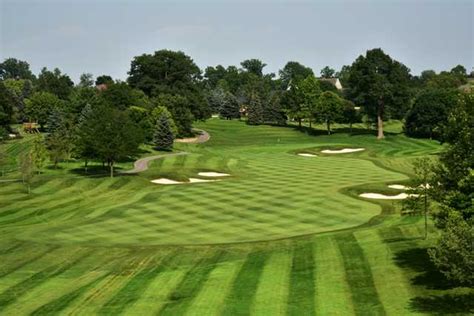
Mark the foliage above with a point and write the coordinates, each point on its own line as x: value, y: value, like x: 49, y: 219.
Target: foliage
x: 86, y: 80
x: 255, y: 110
x: 454, y: 251
x: 12, y: 68
x: 309, y: 88
x: 229, y: 108
x: 429, y: 113
x: 329, y: 109
x: 216, y: 98
x: 293, y: 72
x: 39, y: 153
x: 40, y: 105
x: 7, y: 104
x: 162, y: 110
x: 61, y: 138
x: 121, y: 96
x: 253, y: 66
x: 349, y: 114
x: 163, y: 136
x: 178, y: 106
x: 380, y: 84
x: 19, y: 89
x: 55, y: 82
x: 143, y: 119
x: 327, y: 72
x: 326, y: 85
x: 104, y: 79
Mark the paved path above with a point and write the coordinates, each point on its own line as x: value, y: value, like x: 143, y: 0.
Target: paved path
x: 142, y: 164
x: 201, y: 138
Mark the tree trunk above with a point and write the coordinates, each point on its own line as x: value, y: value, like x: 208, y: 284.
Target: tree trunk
x: 111, y: 169
x: 350, y: 127
x: 380, y: 110
x: 328, y: 124
x: 299, y: 122
x: 85, y: 165
x: 310, y: 123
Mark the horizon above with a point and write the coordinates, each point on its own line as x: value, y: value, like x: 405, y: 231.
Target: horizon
x: 422, y: 35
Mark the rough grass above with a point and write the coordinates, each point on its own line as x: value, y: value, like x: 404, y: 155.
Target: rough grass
x: 283, y: 235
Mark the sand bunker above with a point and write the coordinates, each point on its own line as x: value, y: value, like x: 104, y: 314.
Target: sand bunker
x: 398, y: 187
x: 307, y: 155
x: 166, y: 181
x: 213, y: 174
x: 379, y: 196
x: 342, y: 151
x: 196, y: 180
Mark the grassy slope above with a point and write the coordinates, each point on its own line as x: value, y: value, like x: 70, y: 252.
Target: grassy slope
x: 101, y: 246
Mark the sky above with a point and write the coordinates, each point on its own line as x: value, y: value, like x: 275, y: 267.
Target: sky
x: 102, y: 36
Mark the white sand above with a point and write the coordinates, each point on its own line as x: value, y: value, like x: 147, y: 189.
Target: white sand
x: 398, y: 187
x: 196, y: 180
x: 379, y: 196
x: 213, y: 174
x: 342, y: 151
x: 214, y: 115
x: 166, y: 181
x: 11, y: 135
x: 307, y: 155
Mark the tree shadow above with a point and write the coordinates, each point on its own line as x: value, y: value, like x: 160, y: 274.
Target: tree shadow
x: 444, y: 304
x: 417, y: 259
x: 95, y: 171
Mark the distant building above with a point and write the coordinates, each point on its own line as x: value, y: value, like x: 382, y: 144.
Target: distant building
x: 334, y: 81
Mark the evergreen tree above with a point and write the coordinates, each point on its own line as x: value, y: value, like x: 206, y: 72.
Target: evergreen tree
x: 163, y: 137
x: 229, y: 108
x: 255, y: 110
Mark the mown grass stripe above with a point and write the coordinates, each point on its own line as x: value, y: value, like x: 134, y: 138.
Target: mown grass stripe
x: 180, y: 299
x: 13, y: 293
x: 244, y: 288
x: 302, y: 289
x: 134, y: 288
x: 56, y: 306
x: 21, y: 264
x: 359, y: 277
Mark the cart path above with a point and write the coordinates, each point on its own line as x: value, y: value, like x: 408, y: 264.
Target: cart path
x: 142, y: 164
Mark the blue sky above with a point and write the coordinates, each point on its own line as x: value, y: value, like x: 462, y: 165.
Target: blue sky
x: 101, y: 37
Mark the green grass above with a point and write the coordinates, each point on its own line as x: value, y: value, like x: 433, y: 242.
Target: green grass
x: 284, y: 235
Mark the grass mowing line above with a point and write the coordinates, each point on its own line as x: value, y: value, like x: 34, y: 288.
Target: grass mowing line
x: 5, y: 272
x: 58, y: 305
x: 240, y: 299
x: 134, y: 288
x: 210, y: 299
x: 390, y: 281
x: 359, y: 277
x: 12, y: 294
x: 302, y: 286
x: 181, y: 297
x: 332, y: 290
x: 272, y: 293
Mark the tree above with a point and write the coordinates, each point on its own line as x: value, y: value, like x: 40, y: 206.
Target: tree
x: 217, y: 97
x: 178, y: 107
x: 253, y: 66
x: 273, y: 111
x: 163, y: 137
x: 112, y: 134
x: 27, y: 169
x: 454, y: 191
x: 326, y: 85
x: 459, y: 70
x: 379, y: 84
x: 310, y: 90
x: 39, y: 153
x: 7, y: 103
x: 454, y: 251
x: 86, y: 80
x: 55, y: 82
x: 171, y: 73
x: 61, y: 138
x: 429, y: 113
x: 349, y: 114
x: 19, y: 90
x: 292, y: 101
x: 40, y: 105
x: 229, y: 108
x: 104, y: 79
x: 84, y: 131
x: 419, y: 195
x: 255, y: 110
x: 162, y: 110
x: 293, y: 72
x: 327, y: 72
x: 12, y: 68
x: 329, y: 108
x: 122, y: 96
x: 141, y: 117
x: 343, y: 75
x: 427, y: 75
